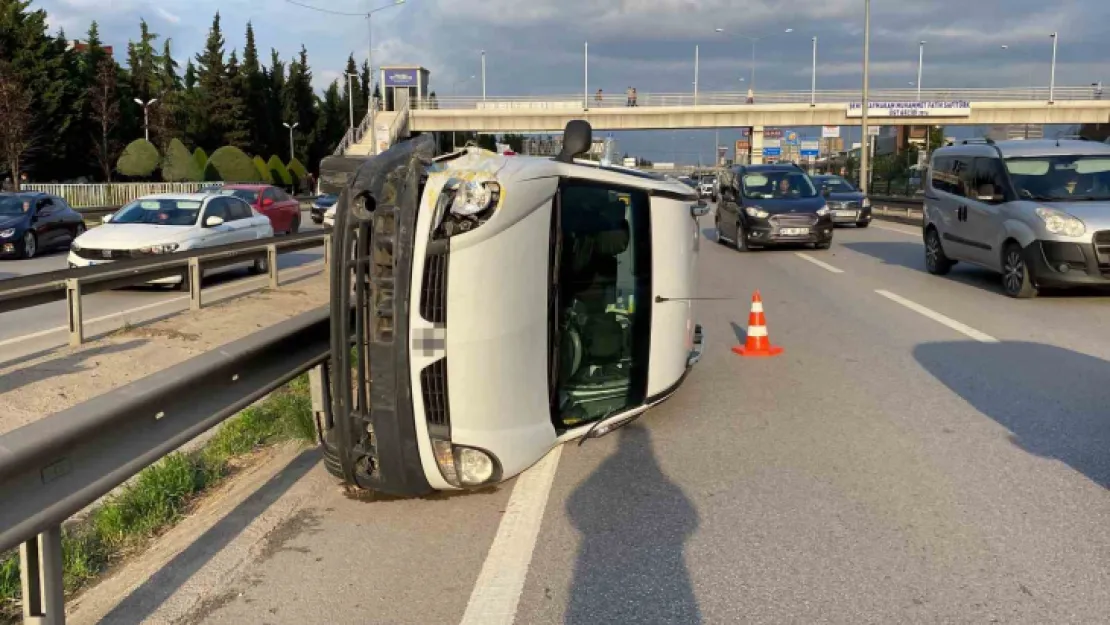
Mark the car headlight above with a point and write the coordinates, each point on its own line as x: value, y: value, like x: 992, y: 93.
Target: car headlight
x: 757, y: 212
x: 866, y: 203
x: 466, y: 467
x: 7, y: 234
x: 166, y: 248
x: 1059, y: 222
x: 463, y: 205
x: 824, y: 210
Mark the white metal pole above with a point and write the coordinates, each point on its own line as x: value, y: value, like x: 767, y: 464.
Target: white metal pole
x: 920, y: 63
x: 586, y: 77
x: 146, y: 121
x: 351, y: 101
x: 370, y: 96
x: 865, y: 139
x: 483, y: 75
x: 752, y: 84
x: 696, y: 61
x: 813, y: 80
x: 1052, y: 76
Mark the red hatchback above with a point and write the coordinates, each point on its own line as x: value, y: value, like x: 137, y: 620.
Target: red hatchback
x: 283, y: 209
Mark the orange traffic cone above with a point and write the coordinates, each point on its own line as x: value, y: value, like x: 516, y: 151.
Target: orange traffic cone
x: 758, y: 343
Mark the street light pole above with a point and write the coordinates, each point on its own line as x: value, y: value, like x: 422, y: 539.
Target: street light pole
x: 292, y: 157
x: 146, y: 115
x: 754, y: 40
x: 586, y: 76
x: 920, y: 63
x: 813, y: 80
x: 865, y: 139
x: 483, y: 75
x: 696, y: 61
x: 351, y: 99
x: 1052, y: 76
x: 370, y: 68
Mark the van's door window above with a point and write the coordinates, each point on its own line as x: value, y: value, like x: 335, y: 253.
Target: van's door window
x: 604, y: 295
x: 990, y: 179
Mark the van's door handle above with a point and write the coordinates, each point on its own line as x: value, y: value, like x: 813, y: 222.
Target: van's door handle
x: 961, y: 213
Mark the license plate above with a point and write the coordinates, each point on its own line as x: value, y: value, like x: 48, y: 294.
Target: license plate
x: 845, y: 213
x: 792, y: 232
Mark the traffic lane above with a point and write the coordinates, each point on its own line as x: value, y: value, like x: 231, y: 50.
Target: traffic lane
x: 55, y: 260
x: 893, y: 257
x: 130, y: 303
x: 341, y: 558
x: 847, y: 480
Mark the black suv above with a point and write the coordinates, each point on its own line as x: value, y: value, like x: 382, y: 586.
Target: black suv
x: 764, y: 205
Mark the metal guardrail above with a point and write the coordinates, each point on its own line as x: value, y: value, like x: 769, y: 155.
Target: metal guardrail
x: 70, y: 284
x: 53, y: 468
x: 732, y: 98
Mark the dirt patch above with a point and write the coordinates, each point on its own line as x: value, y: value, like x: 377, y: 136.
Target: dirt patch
x: 33, y: 388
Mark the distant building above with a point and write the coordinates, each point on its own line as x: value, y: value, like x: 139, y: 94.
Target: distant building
x: 1016, y: 131
x: 80, y: 46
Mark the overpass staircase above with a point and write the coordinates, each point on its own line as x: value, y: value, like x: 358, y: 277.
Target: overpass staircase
x: 390, y: 126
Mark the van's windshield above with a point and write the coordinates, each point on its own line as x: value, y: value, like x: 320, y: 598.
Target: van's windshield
x: 1062, y: 178
x: 602, y: 306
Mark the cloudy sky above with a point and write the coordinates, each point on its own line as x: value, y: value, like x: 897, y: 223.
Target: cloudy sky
x: 536, y: 46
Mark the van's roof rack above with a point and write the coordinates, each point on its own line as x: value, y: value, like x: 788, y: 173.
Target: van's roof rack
x: 1074, y: 137
x: 986, y: 140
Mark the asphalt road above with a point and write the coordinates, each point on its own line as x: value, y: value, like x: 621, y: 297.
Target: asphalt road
x: 925, y: 450
x: 41, y: 327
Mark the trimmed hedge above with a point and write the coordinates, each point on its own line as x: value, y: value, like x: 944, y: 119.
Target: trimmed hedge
x: 139, y: 159
x: 201, y: 159
x: 278, y: 172
x: 263, y: 170
x: 297, y: 171
x: 179, y: 165
x: 231, y: 164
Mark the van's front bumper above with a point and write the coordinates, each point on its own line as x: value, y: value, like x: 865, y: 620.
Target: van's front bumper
x: 1062, y: 264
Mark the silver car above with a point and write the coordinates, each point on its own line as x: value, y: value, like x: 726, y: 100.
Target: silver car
x: 1037, y: 212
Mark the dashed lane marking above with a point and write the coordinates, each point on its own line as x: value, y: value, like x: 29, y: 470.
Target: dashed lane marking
x: 820, y: 263
x: 939, y: 318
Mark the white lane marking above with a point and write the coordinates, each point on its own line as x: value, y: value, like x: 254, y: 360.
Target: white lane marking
x: 820, y: 263
x: 911, y: 233
x: 497, y: 592
x: 939, y: 318
x: 137, y: 309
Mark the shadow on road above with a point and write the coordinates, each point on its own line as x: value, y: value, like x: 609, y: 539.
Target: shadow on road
x: 1053, y: 400
x: 82, y: 361
x: 147, y: 598
x: 635, y: 522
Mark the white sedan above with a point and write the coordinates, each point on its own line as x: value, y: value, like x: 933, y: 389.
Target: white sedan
x: 166, y: 223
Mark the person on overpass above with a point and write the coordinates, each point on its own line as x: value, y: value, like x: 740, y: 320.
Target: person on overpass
x: 628, y: 95
x: 597, y: 98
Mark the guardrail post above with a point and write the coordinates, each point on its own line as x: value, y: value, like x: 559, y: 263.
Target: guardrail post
x: 194, y: 278
x: 73, y: 307
x: 318, y: 391
x: 328, y: 251
x: 40, y: 566
x: 272, y: 264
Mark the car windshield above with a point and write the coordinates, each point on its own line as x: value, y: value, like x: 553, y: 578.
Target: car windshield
x: 1063, y: 178
x: 778, y: 185
x: 160, y: 212
x: 13, y: 204
x: 250, y: 195
x: 836, y: 185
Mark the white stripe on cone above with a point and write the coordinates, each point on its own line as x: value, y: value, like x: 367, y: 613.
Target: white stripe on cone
x: 757, y: 306
x: 757, y: 331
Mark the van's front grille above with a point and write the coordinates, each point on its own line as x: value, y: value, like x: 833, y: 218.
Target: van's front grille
x: 433, y: 289
x: 433, y: 389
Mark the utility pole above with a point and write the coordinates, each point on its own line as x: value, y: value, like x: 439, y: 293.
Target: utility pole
x: 351, y: 100
x: 865, y: 139
x: 696, y: 61
x: 1052, y: 76
x: 483, y: 75
x: 920, y: 63
x: 146, y: 115
x: 295, y: 124
x: 813, y: 80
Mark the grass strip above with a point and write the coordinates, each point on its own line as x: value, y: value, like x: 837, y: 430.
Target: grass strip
x: 163, y: 493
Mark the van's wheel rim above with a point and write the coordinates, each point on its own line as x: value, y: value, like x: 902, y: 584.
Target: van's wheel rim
x: 932, y: 251
x: 29, y: 245
x: 1014, y: 271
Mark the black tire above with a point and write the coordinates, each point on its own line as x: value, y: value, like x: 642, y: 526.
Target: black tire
x: 1017, y: 280
x: 863, y: 224
x: 183, y: 285
x: 741, y: 244
x: 822, y: 246
x: 260, y: 266
x: 717, y: 224
x: 936, y: 261
x: 30, y: 245
x: 296, y: 226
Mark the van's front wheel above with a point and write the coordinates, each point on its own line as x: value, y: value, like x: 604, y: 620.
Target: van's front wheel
x: 1017, y: 281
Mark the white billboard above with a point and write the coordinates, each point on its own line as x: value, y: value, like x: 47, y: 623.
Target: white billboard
x: 954, y: 108
x: 830, y: 132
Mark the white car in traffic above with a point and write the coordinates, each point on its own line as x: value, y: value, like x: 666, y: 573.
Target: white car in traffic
x: 167, y: 223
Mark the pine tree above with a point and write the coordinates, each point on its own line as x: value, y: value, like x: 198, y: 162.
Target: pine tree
x: 332, y: 123
x: 190, y: 75
x: 146, y: 64
x: 275, y: 92
x: 104, y: 107
x: 224, y: 120
x: 254, y: 94
x: 299, y: 105
x: 168, y: 75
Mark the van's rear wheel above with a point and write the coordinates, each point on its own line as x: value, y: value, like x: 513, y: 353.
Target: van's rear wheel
x: 936, y: 262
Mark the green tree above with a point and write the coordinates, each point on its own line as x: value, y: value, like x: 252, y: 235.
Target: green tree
x: 179, y: 165
x: 253, y: 89
x: 104, y: 107
x: 222, y: 120
x: 231, y: 164
x: 139, y: 159
x: 275, y: 89
x: 331, y: 124
x: 515, y: 141
x: 200, y: 157
x: 352, y: 90
x: 15, y: 121
x: 145, y: 64
x: 190, y: 75
x: 299, y: 104
x: 487, y: 142
x: 279, y: 172
x: 263, y: 170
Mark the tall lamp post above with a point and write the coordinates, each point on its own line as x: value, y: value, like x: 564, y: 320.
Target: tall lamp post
x: 754, y: 40
x: 370, y: 66
x: 920, y: 63
x: 483, y: 76
x: 865, y: 140
x: 1052, y: 76
x: 295, y: 124
x: 351, y: 99
x: 813, y: 80
x: 146, y: 115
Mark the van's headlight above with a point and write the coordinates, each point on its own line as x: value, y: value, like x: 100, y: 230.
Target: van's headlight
x: 824, y: 210
x: 166, y: 248
x: 465, y: 467
x: 7, y: 234
x: 866, y: 203
x: 757, y: 212
x: 463, y: 205
x: 1059, y: 222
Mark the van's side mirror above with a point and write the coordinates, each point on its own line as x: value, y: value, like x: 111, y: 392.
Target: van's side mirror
x: 700, y: 209
x: 106, y: 219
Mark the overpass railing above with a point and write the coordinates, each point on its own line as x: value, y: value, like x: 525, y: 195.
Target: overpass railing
x: 734, y: 98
